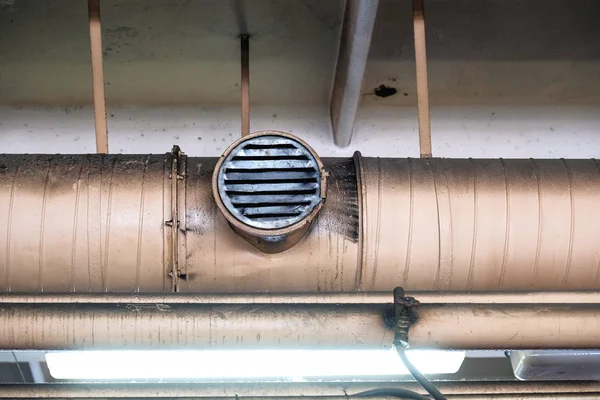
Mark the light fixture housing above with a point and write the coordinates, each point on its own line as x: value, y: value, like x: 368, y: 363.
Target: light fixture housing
x: 284, y: 365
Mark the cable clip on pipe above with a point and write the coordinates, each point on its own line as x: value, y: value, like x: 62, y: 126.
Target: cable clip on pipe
x: 405, y: 312
x: 406, y: 315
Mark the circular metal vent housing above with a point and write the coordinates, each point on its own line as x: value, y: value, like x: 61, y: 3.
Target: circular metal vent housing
x: 270, y: 181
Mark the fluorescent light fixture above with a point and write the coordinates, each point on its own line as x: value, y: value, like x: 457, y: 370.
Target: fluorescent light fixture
x: 244, y: 364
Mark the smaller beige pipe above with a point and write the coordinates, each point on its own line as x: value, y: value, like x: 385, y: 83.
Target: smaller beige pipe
x: 98, y: 77
x: 124, y: 392
x: 346, y: 298
x: 254, y: 326
x: 507, y: 327
x: 422, y: 79
x: 549, y: 396
x: 301, y: 390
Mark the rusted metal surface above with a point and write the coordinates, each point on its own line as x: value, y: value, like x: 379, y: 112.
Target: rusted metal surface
x: 97, y: 223
x: 296, y: 391
x: 183, y: 326
x: 219, y: 260
x: 83, y: 223
x: 355, y: 41
x: 160, y: 325
x: 507, y: 327
x: 98, y: 77
x: 487, y: 225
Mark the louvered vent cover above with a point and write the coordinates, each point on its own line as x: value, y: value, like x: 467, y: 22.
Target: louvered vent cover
x: 270, y: 182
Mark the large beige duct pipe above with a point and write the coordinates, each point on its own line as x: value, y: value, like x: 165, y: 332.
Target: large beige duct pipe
x: 105, y: 223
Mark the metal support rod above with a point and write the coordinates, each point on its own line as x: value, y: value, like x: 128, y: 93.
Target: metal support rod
x: 357, y: 29
x: 98, y: 77
x: 245, y: 83
x: 333, y: 391
x: 422, y: 79
x: 138, y: 325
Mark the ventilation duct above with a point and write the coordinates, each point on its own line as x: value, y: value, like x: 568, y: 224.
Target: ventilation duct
x: 269, y: 186
x: 150, y: 223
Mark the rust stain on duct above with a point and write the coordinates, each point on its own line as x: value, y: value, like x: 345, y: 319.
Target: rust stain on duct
x: 436, y: 224
x: 344, y: 203
x: 324, y: 260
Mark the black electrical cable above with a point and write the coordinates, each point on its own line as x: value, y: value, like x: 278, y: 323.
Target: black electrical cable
x: 394, y: 392
x: 423, y: 381
x: 405, y: 317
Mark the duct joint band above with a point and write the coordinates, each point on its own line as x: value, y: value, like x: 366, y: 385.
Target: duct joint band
x: 362, y: 221
x: 177, y: 174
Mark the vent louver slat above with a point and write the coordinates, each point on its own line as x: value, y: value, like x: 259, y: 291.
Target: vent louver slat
x: 277, y: 186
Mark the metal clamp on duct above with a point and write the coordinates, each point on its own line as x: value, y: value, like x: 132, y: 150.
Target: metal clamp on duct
x: 270, y: 186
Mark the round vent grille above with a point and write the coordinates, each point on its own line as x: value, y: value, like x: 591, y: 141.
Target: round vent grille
x: 269, y: 182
